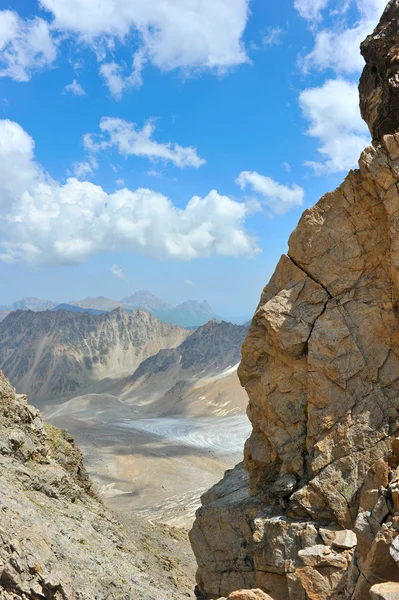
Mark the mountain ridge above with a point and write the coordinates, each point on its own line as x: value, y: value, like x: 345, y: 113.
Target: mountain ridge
x: 189, y: 313
x: 56, y: 353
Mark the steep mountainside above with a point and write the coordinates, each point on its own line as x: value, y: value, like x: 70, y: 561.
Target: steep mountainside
x: 197, y: 377
x: 186, y: 314
x: 57, y: 541
x: 54, y: 354
x: 314, y: 513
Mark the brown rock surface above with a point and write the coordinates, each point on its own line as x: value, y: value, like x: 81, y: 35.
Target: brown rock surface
x: 249, y: 595
x: 318, y: 517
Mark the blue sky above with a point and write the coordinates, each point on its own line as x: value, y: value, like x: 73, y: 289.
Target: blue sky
x: 171, y: 145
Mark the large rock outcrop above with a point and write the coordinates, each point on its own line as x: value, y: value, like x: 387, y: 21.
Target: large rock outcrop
x: 314, y: 512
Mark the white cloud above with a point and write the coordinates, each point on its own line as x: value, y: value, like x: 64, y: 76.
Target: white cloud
x: 333, y: 113
x: 45, y: 222
x: 310, y: 9
x: 338, y: 47
x: 154, y: 173
x: 189, y: 35
x: 118, y: 272
x: 333, y: 108
x: 117, y: 82
x: 171, y: 34
x: 120, y: 182
x: 273, y: 36
x: 25, y: 46
x: 74, y: 88
x: 85, y: 168
x: 278, y: 198
x: 287, y: 166
x: 189, y: 282
x: 112, y: 74
x: 129, y: 140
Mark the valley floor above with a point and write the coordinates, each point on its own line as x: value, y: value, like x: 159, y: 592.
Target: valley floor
x: 151, y: 472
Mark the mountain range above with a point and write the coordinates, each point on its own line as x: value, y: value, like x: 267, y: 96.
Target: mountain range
x: 52, y: 354
x: 196, y: 378
x: 188, y: 314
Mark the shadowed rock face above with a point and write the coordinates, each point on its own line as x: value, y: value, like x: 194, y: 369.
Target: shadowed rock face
x: 379, y: 84
x: 314, y: 511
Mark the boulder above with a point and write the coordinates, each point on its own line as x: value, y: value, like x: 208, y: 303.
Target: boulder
x: 385, y: 591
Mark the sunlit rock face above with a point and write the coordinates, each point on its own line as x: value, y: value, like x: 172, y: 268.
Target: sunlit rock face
x: 314, y: 511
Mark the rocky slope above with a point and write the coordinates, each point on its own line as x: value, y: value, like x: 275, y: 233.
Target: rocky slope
x: 314, y: 512
x: 57, y: 541
x: 196, y: 378
x: 54, y: 354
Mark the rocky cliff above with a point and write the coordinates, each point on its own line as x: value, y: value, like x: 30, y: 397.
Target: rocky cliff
x: 49, y: 355
x: 314, y: 512
x: 57, y: 541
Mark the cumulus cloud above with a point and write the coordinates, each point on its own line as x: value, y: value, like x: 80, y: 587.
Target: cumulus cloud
x: 189, y: 282
x: 278, y: 198
x: 25, y: 46
x: 74, y: 88
x: 337, y: 47
x: 334, y: 119
x: 45, y: 222
x: 124, y: 135
x: 118, y: 272
x: 171, y: 34
x: 332, y: 109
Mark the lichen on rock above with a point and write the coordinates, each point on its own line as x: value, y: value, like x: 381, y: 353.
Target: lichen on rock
x: 318, y: 516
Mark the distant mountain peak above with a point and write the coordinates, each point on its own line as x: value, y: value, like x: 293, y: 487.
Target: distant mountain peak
x: 145, y: 299
x: 194, y: 304
x: 187, y: 314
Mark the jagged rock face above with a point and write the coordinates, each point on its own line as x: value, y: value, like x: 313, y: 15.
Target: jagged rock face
x: 57, y: 541
x: 318, y: 517
x: 49, y: 355
x: 379, y: 84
